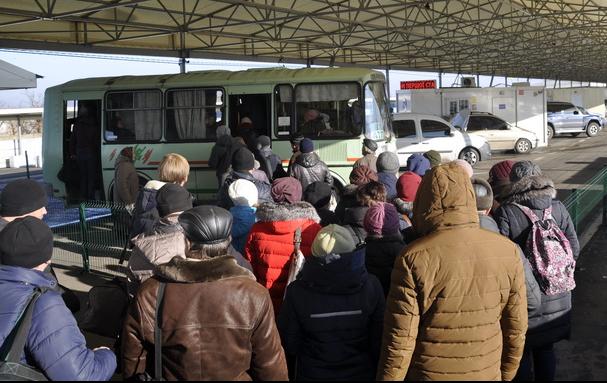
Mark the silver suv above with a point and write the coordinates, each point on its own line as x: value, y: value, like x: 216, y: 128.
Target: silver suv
x: 564, y: 117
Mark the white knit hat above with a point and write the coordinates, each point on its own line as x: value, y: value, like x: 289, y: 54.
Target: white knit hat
x: 243, y: 193
x: 333, y: 239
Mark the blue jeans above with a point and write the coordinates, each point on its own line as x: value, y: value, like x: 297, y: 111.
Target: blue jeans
x: 538, y: 364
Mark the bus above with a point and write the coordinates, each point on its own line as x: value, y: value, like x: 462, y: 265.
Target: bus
x: 180, y: 113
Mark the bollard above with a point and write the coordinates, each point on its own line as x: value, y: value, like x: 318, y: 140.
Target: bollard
x: 85, y: 243
x: 575, y: 208
x: 27, y: 165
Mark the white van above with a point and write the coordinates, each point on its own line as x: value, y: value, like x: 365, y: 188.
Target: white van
x: 418, y: 133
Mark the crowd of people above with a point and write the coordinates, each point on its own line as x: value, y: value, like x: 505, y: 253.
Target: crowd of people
x: 426, y: 274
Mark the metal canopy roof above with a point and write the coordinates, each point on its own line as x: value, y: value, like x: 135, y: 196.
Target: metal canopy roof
x: 13, y: 77
x: 516, y: 38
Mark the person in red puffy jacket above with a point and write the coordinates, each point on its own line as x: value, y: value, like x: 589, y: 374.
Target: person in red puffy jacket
x: 270, y: 243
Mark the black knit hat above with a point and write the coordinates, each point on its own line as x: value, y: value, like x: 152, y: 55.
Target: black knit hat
x: 26, y: 242
x: 22, y: 197
x: 318, y: 194
x: 243, y: 160
x: 172, y: 198
x: 206, y: 225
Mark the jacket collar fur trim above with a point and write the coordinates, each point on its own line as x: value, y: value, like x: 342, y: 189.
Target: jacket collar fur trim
x: 529, y: 188
x: 275, y: 212
x: 205, y: 270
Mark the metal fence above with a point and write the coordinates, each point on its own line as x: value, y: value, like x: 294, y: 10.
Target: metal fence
x: 93, y: 235
x: 584, y: 201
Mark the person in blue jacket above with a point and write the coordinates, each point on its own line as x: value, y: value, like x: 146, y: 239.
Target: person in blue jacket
x: 244, y: 196
x: 54, y: 344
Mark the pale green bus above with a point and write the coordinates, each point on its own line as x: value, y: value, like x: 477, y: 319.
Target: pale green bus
x: 180, y: 112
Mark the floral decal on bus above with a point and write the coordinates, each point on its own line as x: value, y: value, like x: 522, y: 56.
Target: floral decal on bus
x: 140, y: 153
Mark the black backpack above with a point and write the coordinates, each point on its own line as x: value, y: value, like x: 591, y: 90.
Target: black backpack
x: 106, y: 309
x: 11, y: 368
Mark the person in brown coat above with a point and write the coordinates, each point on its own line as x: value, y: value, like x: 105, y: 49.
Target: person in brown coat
x: 217, y: 321
x: 126, y: 181
x: 457, y: 306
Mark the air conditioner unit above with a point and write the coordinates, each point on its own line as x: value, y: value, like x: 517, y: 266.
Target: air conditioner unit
x: 468, y: 82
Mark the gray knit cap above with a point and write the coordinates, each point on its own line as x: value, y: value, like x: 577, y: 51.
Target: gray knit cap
x: 388, y: 162
x: 523, y: 169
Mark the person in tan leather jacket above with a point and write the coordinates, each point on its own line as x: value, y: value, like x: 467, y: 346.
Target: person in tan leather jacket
x: 457, y: 306
x: 217, y: 321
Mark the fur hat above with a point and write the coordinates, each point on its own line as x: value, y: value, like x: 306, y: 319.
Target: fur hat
x: 26, y: 242
x: 362, y: 175
x: 483, y: 193
x: 434, y: 157
x: 388, y: 162
x: 243, y: 160
x: 407, y: 185
x: 523, y: 169
x: 466, y: 166
x: 286, y: 189
x: 21, y: 197
x: 382, y: 219
x: 306, y: 145
x: 333, y: 239
x: 418, y: 164
x: 243, y: 193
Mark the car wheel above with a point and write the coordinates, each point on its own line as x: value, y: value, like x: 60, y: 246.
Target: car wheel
x: 523, y: 145
x: 550, y: 132
x: 592, y: 129
x: 470, y: 155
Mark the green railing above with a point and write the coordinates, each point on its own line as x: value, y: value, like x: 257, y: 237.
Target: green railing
x: 583, y: 201
x: 94, y: 236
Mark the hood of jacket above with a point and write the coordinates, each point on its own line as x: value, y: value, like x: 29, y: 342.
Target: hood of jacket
x: 277, y: 212
x: 445, y: 200
x: 536, y: 192
x: 160, y: 248
x: 266, y: 151
x: 335, y: 273
x: 389, y: 181
x: 26, y: 277
x: 122, y: 159
x: 308, y: 160
x: 204, y: 270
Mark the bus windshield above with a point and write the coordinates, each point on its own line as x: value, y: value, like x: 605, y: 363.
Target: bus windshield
x: 376, y: 112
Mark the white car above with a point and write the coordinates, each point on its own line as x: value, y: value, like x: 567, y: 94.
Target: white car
x: 418, y: 133
x: 500, y: 134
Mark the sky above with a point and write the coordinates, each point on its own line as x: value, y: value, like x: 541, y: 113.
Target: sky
x: 60, y: 67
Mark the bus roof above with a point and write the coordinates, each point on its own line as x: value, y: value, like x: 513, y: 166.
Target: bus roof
x: 223, y: 77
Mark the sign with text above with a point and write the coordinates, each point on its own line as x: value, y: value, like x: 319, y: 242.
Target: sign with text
x: 418, y: 84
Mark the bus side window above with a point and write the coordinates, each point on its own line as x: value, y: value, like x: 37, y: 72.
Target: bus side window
x: 283, y: 103
x: 133, y: 116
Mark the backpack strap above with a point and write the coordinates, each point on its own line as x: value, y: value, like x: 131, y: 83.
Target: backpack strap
x: 528, y: 212
x: 14, y: 344
x: 297, y: 239
x: 158, y: 333
x: 548, y: 213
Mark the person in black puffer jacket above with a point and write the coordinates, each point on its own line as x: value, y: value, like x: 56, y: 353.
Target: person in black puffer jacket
x: 384, y: 242
x: 331, y: 321
x: 359, y: 176
x: 308, y: 167
x: 553, y: 321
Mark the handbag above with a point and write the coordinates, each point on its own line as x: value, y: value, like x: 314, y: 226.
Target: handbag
x: 297, y: 259
x: 107, y: 306
x: 11, y: 368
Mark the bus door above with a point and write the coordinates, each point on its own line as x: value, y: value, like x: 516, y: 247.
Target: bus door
x: 256, y: 107
x: 81, y: 169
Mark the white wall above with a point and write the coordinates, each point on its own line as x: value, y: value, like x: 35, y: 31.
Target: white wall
x: 32, y: 145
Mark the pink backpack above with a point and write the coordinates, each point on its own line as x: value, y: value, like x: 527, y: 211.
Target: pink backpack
x: 549, y: 253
